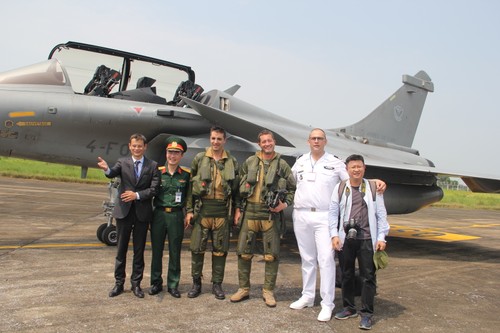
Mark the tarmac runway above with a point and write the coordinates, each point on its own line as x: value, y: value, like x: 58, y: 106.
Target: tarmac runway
x: 443, y: 274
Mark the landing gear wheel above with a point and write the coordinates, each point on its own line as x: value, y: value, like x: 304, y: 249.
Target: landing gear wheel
x: 110, y: 236
x: 100, y: 230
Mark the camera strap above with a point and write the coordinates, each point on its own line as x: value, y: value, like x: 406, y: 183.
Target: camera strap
x: 342, y: 188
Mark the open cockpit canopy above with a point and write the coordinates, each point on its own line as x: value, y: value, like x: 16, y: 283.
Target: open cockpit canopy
x: 100, y: 71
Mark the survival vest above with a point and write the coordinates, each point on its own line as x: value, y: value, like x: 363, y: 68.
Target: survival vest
x: 251, y: 178
x: 203, y: 180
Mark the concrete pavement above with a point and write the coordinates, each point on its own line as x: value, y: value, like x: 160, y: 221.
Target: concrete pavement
x: 55, y: 275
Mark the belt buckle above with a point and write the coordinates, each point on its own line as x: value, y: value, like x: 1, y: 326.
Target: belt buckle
x: 168, y: 209
x: 313, y: 209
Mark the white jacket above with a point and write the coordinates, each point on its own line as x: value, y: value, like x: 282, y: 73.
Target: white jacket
x: 377, y: 214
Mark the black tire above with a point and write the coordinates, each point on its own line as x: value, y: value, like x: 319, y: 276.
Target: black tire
x: 100, y: 230
x: 110, y: 236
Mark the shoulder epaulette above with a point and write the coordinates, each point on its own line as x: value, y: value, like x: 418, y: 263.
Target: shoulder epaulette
x: 186, y: 169
x: 162, y: 169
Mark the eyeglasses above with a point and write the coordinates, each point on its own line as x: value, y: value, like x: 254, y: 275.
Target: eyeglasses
x: 317, y: 138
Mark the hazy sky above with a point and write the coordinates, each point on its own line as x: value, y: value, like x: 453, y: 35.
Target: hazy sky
x: 322, y: 63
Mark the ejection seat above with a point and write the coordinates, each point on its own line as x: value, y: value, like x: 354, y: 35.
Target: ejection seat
x: 102, y: 82
x: 187, y: 89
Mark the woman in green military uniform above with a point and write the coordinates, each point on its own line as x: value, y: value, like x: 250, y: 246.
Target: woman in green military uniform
x: 168, y: 218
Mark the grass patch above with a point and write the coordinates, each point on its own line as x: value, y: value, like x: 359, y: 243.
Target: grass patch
x: 469, y: 200
x: 21, y: 168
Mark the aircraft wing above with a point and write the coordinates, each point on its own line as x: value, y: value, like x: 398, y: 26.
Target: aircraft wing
x: 243, y: 128
x: 291, y: 137
x: 476, y: 182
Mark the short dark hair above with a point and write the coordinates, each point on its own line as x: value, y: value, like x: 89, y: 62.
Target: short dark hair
x: 219, y: 130
x: 138, y: 137
x: 354, y: 157
x: 264, y: 132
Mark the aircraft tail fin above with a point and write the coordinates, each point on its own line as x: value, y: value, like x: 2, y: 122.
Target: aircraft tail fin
x: 396, y: 119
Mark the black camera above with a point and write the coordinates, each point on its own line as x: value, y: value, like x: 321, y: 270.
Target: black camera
x: 273, y: 198
x: 351, y: 228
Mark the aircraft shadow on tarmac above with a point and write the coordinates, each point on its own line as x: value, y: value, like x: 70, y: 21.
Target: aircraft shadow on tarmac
x: 432, y: 250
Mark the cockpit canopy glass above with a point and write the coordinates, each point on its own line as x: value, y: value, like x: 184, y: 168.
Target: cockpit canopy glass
x: 48, y: 72
x: 81, y: 65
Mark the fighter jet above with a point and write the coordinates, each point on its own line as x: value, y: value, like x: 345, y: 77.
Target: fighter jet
x: 86, y: 100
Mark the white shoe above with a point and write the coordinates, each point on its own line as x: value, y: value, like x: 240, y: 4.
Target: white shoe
x: 325, y: 314
x: 301, y: 303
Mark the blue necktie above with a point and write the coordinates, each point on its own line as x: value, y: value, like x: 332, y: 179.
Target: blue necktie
x: 137, y: 174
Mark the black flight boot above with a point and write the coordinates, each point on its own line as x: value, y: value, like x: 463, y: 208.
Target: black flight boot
x: 196, y: 288
x: 217, y: 291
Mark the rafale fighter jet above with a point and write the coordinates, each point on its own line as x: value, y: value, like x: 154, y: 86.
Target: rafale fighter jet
x: 85, y: 101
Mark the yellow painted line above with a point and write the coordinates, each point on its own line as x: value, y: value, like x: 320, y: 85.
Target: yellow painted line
x: 427, y: 234
x: 72, y: 245
x: 484, y: 225
x: 49, y: 246
x: 16, y: 114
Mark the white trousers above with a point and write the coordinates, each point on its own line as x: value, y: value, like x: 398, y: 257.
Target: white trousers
x: 315, y: 247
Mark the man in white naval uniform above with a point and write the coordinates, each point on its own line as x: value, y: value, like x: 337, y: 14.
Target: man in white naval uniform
x: 317, y: 173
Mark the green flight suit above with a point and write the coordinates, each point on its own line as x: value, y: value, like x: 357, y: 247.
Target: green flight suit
x: 213, y: 190
x: 259, y: 178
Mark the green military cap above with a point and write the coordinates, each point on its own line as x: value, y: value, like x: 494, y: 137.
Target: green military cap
x: 176, y: 143
x: 380, y: 259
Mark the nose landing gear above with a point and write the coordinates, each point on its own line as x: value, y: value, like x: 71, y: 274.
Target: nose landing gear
x: 106, y: 232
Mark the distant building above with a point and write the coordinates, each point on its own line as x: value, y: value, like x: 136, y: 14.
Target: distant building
x: 452, y: 183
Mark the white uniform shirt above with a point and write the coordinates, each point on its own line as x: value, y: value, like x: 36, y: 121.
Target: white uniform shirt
x: 316, y: 180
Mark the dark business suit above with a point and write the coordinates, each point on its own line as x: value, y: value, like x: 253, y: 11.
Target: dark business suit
x: 133, y: 217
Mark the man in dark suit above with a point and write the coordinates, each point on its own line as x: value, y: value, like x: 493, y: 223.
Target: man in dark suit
x: 133, y: 212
